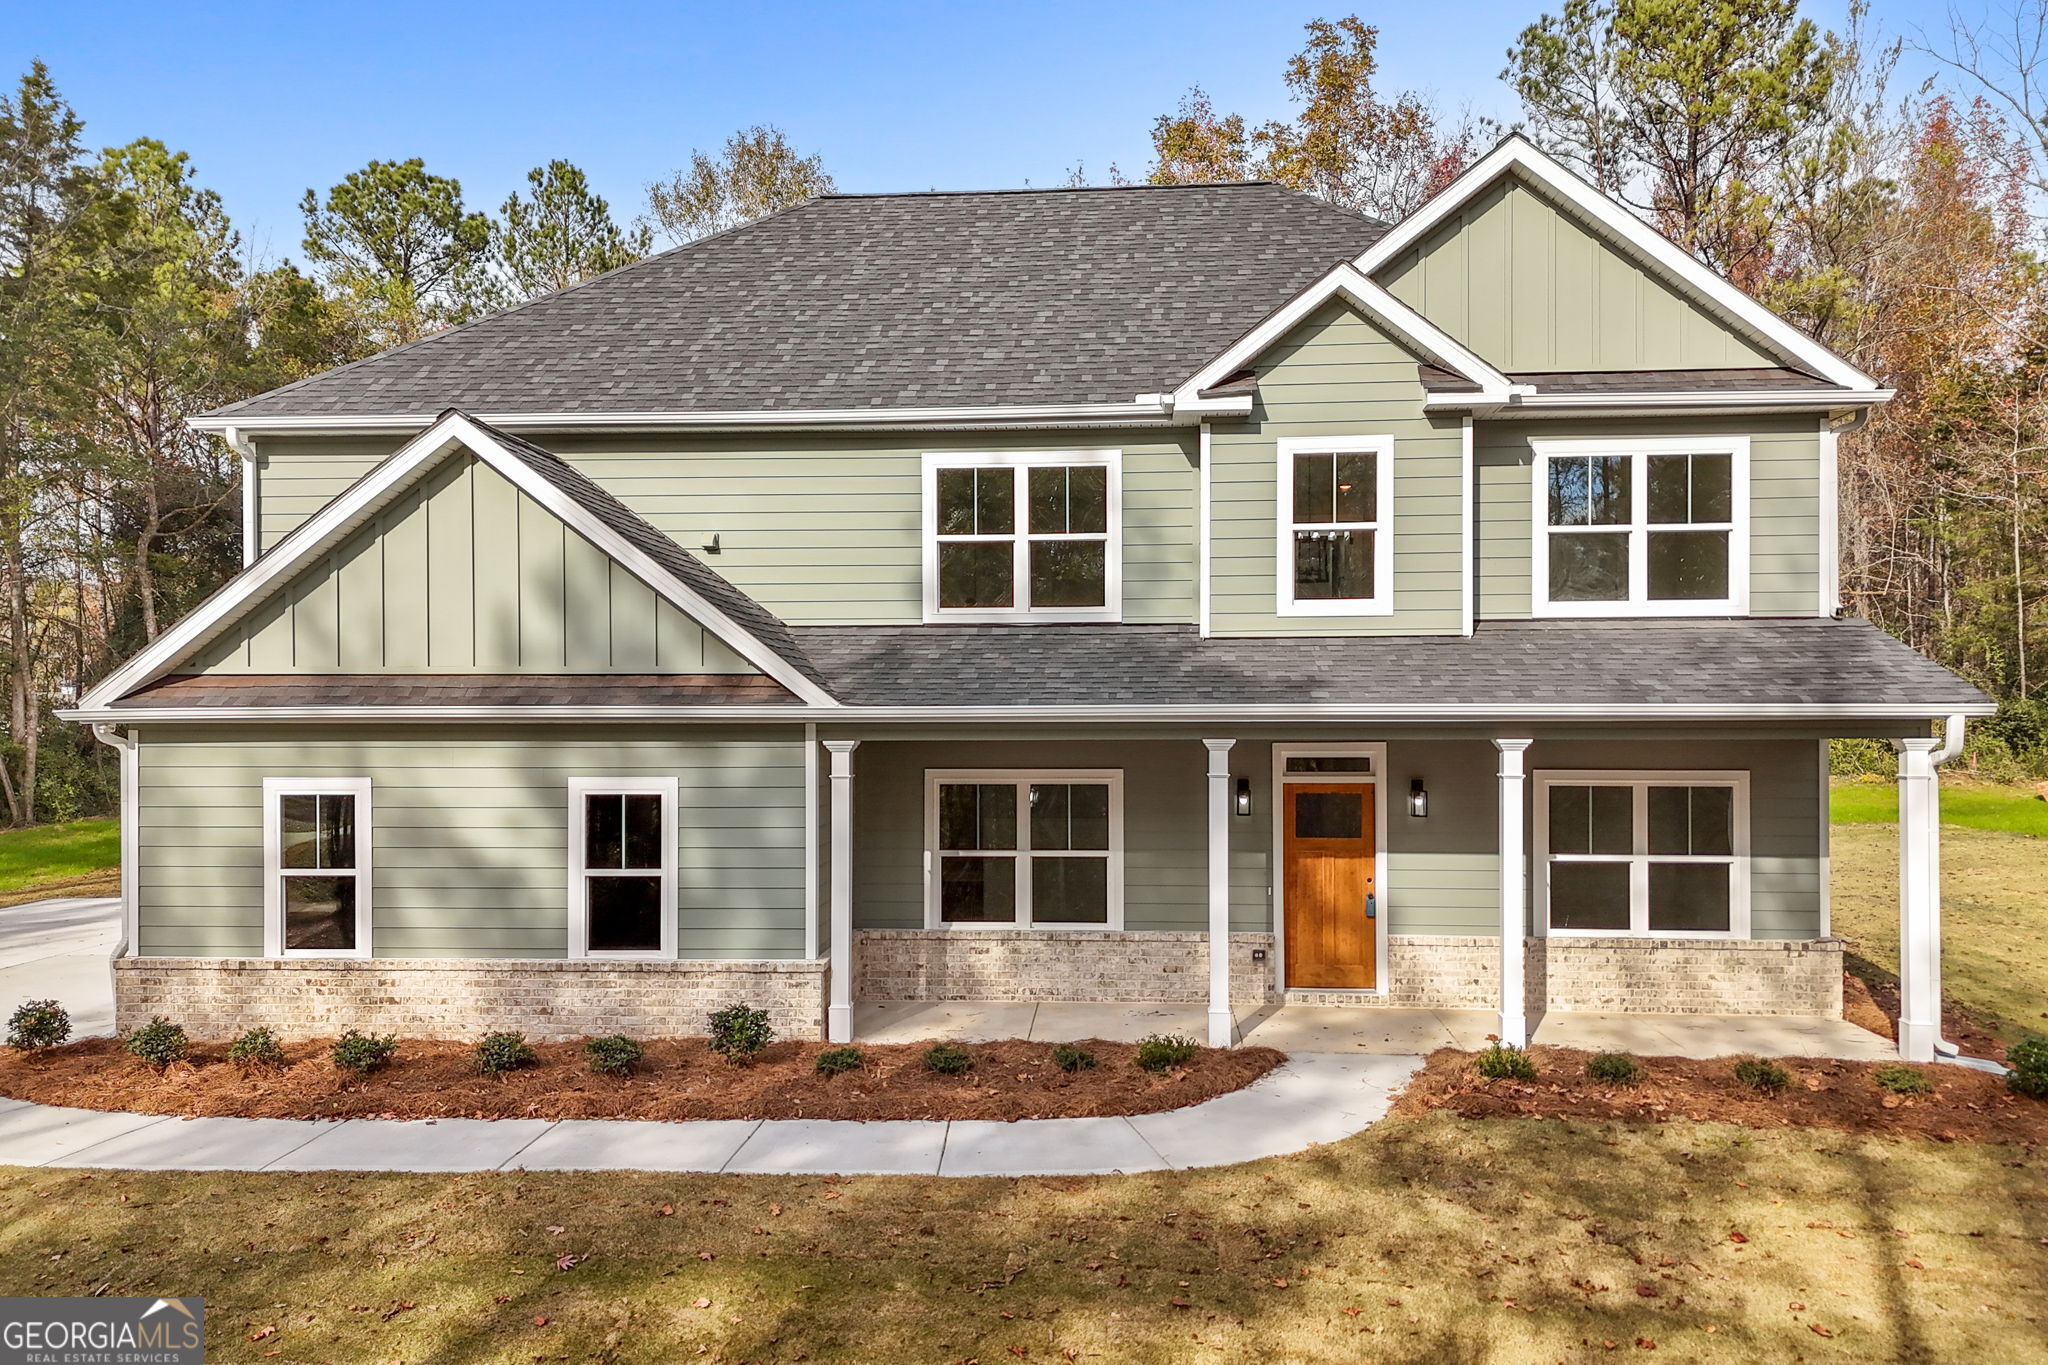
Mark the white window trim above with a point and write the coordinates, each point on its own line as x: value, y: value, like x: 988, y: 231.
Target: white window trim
x: 1277, y: 891
x: 1638, y: 528
x: 1381, y: 603
x: 579, y: 891
x: 274, y: 790
x: 1113, y: 542
x: 1640, y: 781
x: 1023, y: 777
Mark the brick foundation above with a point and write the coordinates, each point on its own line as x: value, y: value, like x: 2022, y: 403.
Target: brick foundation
x: 1069, y: 965
x: 463, y: 998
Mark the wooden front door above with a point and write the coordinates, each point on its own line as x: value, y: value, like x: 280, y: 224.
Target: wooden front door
x: 1330, y: 873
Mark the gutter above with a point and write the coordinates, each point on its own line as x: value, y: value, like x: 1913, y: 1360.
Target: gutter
x: 130, y: 750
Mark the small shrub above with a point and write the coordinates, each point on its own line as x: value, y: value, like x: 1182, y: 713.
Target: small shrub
x: 1902, y: 1080
x: 739, y: 1032
x: 257, y: 1047
x: 363, y: 1053
x: 499, y: 1053
x: 1768, y: 1077
x: 159, y: 1042
x: 1614, y: 1068
x: 38, y: 1024
x: 1165, y: 1051
x: 2027, y: 1068
x: 1504, y: 1062
x: 948, y: 1059
x: 1070, y: 1059
x: 613, y: 1056
x: 837, y: 1061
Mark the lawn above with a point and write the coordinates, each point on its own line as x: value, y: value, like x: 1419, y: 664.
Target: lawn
x: 1434, y: 1239
x: 1975, y: 805
x: 76, y: 858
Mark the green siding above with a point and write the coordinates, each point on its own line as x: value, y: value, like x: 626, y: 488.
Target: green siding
x: 470, y: 838
x: 1338, y: 375
x: 1530, y: 288
x: 464, y: 573
x: 822, y: 529
x: 1784, y: 505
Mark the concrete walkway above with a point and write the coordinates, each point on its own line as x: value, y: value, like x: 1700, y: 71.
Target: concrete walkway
x: 1312, y: 1098
x: 58, y: 950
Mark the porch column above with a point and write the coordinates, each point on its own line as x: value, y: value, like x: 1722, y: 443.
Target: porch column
x: 1919, y: 901
x: 1222, y: 1026
x: 1514, y: 891
x: 839, y: 1017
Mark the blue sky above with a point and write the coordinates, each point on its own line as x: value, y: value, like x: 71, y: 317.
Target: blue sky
x: 271, y: 98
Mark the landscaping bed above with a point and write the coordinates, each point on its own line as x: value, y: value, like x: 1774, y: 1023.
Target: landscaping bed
x: 676, y: 1079
x: 1963, y: 1106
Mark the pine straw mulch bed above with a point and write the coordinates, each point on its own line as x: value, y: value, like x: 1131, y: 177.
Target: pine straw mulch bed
x: 1965, y: 1106
x: 678, y: 1079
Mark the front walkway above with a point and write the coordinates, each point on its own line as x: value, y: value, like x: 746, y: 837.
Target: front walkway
x: 1373, y: 1030
x: 1313, y: 1098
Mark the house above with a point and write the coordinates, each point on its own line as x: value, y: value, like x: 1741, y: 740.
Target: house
x: 1195, y: 594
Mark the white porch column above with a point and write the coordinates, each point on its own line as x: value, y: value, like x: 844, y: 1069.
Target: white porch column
x: 1919, y: 901
x: 839, y: 1016
x: 1222, y: 1026
x: 1514, y: 891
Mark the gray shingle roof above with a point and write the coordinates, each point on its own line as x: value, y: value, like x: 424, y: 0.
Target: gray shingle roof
x: 1508, y: 664
x: 858, y: 301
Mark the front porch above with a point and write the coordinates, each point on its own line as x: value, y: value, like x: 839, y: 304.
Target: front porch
x: 1386, y: 1030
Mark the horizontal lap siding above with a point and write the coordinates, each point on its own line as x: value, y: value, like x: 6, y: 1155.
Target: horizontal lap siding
x: 1530, y: 289
x: 1784, y: 505
x: 470, y: 840
x: 1337, y: 375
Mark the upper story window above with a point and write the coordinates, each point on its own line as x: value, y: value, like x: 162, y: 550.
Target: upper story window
x: 1336, y: 526
x: 316, y: 845
x: 1641, y: 527
x: 1017, y: 538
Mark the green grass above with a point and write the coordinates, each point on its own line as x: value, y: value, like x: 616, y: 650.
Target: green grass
x: 58, y: 853
x: 1420, y: 1240
x: 1973, y: 805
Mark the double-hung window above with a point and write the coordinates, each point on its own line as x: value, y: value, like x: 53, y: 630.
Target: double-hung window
x: 1023, y: 850
x: 1336, y: 531
x: 622, y: 867
x: 1641, y: 527
x: 316, y: 876
x: 1651, y: 855
x: 1022, y: 537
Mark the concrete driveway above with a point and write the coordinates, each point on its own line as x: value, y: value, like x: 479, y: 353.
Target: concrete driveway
x: 57, y: 950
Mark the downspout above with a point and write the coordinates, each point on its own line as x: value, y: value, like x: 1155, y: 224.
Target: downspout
x: 1951, y: 745
x: 130, y: 750
x: 251, y: 529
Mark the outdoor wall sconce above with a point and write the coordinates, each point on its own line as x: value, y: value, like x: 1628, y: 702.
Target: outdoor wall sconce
x: 1418, y: 799
x: 1244, y: 796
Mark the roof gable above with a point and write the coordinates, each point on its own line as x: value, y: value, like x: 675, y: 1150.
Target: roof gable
x: 280, y: 603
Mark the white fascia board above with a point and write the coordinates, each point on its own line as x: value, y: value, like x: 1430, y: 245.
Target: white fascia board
x: 1418, y: 714
x: 374, y: 490
x: 1150, y: 409
x: 1517, y: 155
x: 1752, y: 400
x: 1347, y: 281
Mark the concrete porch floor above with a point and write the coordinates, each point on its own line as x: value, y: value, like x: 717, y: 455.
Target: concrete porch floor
x: 1370, y: 1030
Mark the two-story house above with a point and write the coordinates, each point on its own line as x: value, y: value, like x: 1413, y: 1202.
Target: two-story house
x: 1195, y: 594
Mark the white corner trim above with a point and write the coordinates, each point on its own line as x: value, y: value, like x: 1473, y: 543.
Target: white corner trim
x: 1203, y: 533
x: 1347, y: 281
x: 811, y: 860
x: 1468, y: 526
x: 579, y: 884
x: 275, y: 788
x: 1830, y: 520
x: 1020, y: 537
x: 1518, y: 156
x: 1638, y: 529
x: 1381, y: 603
x: 344, y: 514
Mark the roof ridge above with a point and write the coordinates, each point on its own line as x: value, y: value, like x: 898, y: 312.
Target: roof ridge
x: 1051, y: 189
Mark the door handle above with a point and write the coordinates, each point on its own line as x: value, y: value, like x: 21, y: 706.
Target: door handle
x: 1371, y: 906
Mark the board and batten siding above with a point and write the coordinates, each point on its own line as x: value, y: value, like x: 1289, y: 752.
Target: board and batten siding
x: 470, y: 843
x: 1530, y: 288
x: 819, y: 529
x: 1338, y: 375
x: 1784, y: 505
x: 464, y: 573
